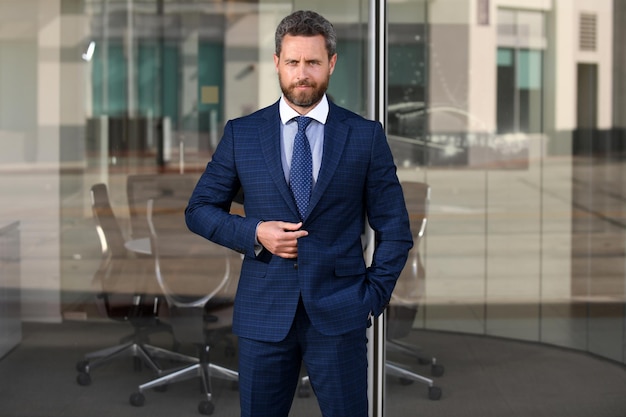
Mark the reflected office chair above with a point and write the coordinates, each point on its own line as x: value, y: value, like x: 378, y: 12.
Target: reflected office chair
x: 123, y: 295
x: 142, y: 187
x: 199, y: 287
x: 405, y: 300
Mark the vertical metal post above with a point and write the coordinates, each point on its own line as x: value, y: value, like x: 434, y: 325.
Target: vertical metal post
x: 129, y: 39
x: 377, y: 61
x: 377, y: 110
x: 160, y: 113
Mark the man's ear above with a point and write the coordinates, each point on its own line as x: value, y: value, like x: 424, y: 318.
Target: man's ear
x: 331, y: 64
x: 276, y: 61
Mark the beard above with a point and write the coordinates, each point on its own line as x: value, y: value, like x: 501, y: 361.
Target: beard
x: 304, y: 99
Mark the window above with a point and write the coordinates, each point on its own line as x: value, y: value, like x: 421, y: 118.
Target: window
x: 521, y: 44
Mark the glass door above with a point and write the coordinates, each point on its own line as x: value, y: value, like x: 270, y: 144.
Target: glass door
x: 410, y: 369
x: 162, y: 77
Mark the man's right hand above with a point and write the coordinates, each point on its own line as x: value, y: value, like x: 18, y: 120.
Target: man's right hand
x: 280, y: 238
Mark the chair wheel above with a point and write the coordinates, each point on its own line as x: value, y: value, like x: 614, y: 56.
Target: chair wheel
x: 434, y: 393
x: 137, y: 399
x: 83, y: 379
x: 436, y: 370
x: 81, y: 366
x: 206, y: 407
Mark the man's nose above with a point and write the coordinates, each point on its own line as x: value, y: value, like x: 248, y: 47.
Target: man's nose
x: 302, y: 71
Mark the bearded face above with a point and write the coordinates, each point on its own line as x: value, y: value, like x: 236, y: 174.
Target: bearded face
x: 304, y: 98
x: 304, y: 69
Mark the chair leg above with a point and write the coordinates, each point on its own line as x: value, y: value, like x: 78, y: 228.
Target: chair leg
x: 206, y: 405
x: 407, y: 377
x: 414, y: 352
x: 202, y: 368
x: 180, y: 374
x: 224, y: 373
x: 143, y: 352
x: 160, y: 353
x: 304, y: 387
x: 95, y: 359
x: 107, y: 352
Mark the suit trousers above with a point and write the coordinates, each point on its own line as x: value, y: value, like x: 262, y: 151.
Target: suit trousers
x: 269, y: 372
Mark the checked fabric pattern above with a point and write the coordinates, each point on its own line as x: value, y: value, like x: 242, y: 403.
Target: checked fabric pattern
x: 301, y: 173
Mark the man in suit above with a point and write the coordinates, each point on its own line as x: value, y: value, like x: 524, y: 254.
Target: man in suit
x: 304, y: 292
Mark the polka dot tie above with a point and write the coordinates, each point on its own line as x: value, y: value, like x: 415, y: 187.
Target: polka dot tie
x: 301, y: 173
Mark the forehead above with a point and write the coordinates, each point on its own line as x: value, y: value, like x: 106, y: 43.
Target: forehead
x: 308, y: 46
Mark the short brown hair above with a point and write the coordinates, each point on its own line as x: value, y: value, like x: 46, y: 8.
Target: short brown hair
x: 306, y: 23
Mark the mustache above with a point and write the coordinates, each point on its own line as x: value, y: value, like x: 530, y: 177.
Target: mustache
x: 304, y: 84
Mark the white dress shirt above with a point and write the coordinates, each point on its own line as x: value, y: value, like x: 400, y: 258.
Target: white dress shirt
x: 314, y: 133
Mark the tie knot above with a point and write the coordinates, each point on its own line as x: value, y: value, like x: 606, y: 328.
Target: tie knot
x: 303, y: 122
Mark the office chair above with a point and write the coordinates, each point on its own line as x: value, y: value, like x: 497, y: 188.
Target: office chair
x: 142, y: 187
x: 199, y: 287
x: 123, y: 296
x: 403, y: 307
x: 406, y: 297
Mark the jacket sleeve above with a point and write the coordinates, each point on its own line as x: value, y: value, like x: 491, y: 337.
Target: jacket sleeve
x: 388, y: 217
x: 208, y: 212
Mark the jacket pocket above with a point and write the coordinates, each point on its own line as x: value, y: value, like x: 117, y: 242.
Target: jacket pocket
x: 349, y: 266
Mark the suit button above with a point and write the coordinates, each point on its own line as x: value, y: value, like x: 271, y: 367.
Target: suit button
x: 295, y: 266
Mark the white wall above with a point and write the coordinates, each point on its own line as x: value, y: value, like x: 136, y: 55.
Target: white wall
x: 29, y: 127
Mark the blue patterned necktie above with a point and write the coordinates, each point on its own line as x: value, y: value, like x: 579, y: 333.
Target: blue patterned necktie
x: 301, y: 173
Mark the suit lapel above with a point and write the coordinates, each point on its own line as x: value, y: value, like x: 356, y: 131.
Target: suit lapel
x: 269, y: 137
x: 335, y: 137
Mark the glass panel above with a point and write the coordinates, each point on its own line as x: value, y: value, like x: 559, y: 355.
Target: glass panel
x: 507, y: 105
x: 530, y: 85
x: 132, y: 95
x: 523, y: 240
x: 520, y: 73
x: 519, y: 135
x: 407, y: 68
x: 413, y: 149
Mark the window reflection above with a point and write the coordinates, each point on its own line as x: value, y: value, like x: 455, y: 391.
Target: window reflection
x: 516, y: 123
x: 520, y: 71
x: 515, y: 231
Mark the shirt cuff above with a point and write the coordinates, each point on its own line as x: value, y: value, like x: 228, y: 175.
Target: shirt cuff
x: 257, y: 246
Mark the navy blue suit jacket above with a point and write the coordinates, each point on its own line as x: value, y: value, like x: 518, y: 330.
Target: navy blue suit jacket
x: 357, y: 180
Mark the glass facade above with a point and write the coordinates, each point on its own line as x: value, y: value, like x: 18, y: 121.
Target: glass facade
x: 511, y: 112
x: 520, y: 71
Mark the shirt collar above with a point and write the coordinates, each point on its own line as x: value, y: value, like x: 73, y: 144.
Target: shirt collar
x: 319, y: 112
